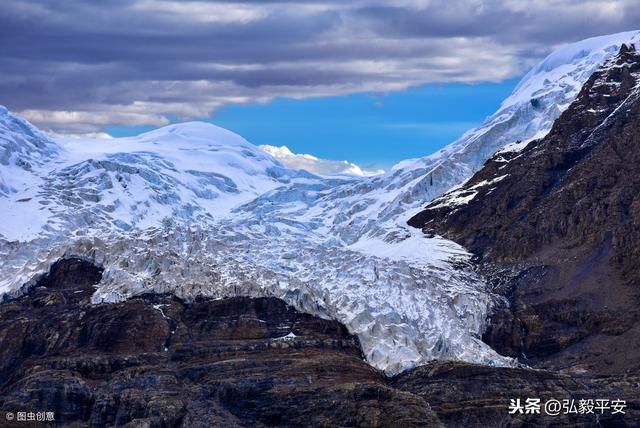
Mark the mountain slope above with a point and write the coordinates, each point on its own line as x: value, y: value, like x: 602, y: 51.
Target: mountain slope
x: 155, y: 360
x: 376, y: 209
x: 23, y: 150
x: 562, y: 216
x: 189, y: 171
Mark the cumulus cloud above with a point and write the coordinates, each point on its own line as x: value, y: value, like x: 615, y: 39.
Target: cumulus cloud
x: 76, y: 66
x: 315, y: 165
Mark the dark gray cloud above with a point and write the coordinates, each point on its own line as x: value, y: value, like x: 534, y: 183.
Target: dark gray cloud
x: 77, y: 66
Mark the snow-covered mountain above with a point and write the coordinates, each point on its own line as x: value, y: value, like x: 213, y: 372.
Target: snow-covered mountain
x: 315, y: 165
x: 378, y: 208
x: 194, y: 209
x: 188, y: 171
x: 23, y: 149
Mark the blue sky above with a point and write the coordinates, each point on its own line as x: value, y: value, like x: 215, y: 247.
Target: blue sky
x: 372, y: 130
x: 75, y: 67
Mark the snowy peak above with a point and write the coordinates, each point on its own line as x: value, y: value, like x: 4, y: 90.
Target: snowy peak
x: 608, y: 98
x: 193, y: 133
x: 19, y: 138
x: 612, y: 87
x: 613, y: 81
x: 381, y: 205
x: 22, y: 148
x: 567, y: 69
x: 192, y: 171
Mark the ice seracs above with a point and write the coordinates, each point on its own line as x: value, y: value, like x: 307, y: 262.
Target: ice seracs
x: 193, y: 209
x: 23, y: 151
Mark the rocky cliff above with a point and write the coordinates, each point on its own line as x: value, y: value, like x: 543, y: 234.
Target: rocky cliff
x: 557, y: 226
x: 156, y: 361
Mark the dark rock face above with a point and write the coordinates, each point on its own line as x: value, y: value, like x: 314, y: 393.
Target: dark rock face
x: 155, y: 361
x: 557, y: 226
x: 470, y: 395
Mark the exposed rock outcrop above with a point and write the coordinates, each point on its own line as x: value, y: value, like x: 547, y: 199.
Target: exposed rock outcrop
x: 472, y: 395
x: 164, y: 362
x: 557, y: 226
x: 156, y: 361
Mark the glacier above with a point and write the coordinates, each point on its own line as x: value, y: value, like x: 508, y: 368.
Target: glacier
x: 196, y: 210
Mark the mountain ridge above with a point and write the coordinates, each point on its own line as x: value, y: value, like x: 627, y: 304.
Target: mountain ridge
x: 560, y: 229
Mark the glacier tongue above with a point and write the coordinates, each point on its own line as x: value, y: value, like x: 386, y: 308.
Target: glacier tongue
x: 195, y: 210
x: 403, y: 314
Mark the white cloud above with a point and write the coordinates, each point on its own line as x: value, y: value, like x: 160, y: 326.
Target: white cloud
x: 91, y: 135
x: 204, y: 11
x: 315, y: 165
x: 82, y: 122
